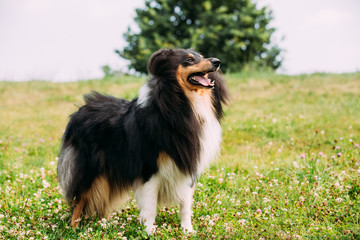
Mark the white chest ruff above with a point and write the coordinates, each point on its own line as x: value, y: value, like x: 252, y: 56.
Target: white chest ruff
x: 210, y: 143
x: 210, y: 138
x: 174, y: 186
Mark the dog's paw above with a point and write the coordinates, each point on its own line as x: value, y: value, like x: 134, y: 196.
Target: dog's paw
x: 188, y: 229
x: 150, y: 229
x: 75, y: 223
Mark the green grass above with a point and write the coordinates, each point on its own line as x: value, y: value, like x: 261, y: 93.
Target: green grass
x: 289, y: 167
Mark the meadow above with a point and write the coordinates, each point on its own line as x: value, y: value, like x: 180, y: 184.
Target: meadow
x: 289, y: 166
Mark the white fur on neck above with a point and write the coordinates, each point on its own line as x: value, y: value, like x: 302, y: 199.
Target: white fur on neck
x: 210, y: 139
x: 144, y: 95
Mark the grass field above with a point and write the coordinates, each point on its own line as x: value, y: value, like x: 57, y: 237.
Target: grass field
x: 289, y: 168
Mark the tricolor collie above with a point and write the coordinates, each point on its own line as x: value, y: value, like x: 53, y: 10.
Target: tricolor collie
x: 156, y: 145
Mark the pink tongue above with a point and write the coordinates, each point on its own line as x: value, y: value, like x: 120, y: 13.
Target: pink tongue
x: 203, y: 81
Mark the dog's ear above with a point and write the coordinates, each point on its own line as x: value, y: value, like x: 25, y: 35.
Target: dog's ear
x: 159, y: 62
x: 220, y: 90
x: 220, y: 93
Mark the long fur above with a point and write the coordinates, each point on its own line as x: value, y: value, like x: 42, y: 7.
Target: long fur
x: 156, y: 144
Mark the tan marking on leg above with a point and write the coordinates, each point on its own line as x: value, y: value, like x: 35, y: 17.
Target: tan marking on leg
x: 100, y: 200
x: 98, y: 197
x: 75, y: 218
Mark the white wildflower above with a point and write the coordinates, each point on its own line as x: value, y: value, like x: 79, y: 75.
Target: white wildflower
x: 45, y: 184
x: 242, y: 222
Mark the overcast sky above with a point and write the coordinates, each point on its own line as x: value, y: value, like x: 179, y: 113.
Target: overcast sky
x: 63, y: 40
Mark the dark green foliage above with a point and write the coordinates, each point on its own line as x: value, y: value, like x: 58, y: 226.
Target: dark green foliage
x: 108, y: 72
x: 236, y: 31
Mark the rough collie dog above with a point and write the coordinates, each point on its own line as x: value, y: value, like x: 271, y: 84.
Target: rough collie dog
x: 157, y: 144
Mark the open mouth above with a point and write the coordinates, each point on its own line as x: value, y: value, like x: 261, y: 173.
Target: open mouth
x: 199, y: 78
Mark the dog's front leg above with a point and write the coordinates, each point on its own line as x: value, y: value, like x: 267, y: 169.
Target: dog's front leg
x: 146, y: 195
x: 185, y: 209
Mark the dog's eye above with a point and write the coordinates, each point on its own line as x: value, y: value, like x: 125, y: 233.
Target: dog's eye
x: 190, y: 60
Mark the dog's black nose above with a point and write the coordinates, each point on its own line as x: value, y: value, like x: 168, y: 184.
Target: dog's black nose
x: 215, y: 62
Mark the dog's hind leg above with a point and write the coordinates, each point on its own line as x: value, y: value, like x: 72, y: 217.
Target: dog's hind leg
x: 76, y: 212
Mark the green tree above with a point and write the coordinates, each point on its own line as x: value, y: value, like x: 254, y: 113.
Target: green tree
x: 235, y: 31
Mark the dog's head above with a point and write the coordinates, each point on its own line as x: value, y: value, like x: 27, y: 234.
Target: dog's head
x: 189, y: 68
